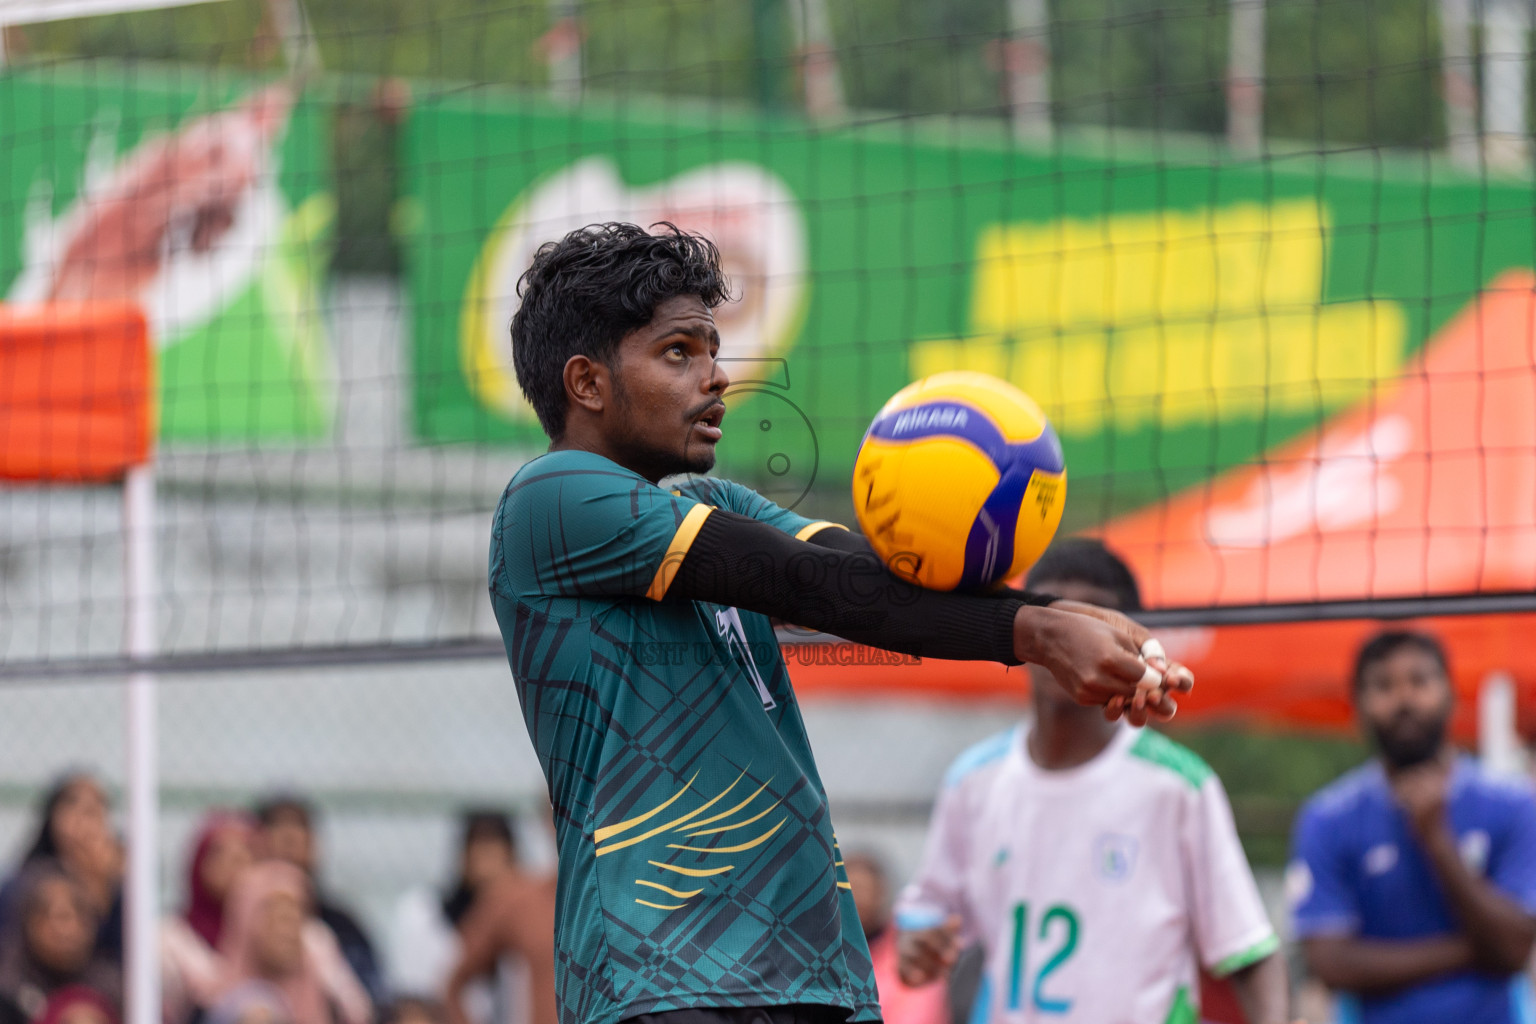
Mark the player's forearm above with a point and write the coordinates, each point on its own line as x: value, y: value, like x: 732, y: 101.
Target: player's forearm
x: 1500, y: 930
x: 740, y: 562
x: 1373, y: 965
x: 847, y: 540
x: 479, y: 947
x: 1264, y: 990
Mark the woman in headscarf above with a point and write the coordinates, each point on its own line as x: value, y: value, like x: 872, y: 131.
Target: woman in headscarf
x: 271, y: 936
x: 74, y: 831
x: 190, y: 966
x: 49, y: 946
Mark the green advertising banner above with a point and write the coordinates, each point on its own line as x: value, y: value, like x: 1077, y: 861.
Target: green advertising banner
x: 204, y: 198
x: 1174, y: 316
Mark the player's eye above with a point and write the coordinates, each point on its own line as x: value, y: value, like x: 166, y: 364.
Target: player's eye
x: 676, y: 353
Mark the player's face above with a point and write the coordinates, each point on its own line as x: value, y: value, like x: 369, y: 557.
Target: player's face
x: 1405, y: 704
x: 667, y: 392
x: 1043, y: 687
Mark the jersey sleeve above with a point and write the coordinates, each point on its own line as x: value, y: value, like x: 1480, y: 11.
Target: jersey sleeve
x: 1512, y: 860
x: 572, y: 529
x: 744, y: 501
x: 1232, y: 929
x: 1317, y: 884
x: 937, y: 891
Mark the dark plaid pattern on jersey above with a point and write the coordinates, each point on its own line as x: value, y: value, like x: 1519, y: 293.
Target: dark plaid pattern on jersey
x: 698, y: 865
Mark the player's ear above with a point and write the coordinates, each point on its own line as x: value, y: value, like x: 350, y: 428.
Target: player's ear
x: 586, y: 382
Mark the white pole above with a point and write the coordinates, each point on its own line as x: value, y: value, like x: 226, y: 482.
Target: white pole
x: 1245, y: 77
x: 1505, y: 26
x: 143, y: 900
x: 1027, y: 65
x: 1460, y: 81
x: 819, y: 76
x: 563, y: 51
x: 1498, y: 739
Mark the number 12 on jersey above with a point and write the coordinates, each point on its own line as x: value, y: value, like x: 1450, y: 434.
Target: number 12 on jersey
x: 1059, y: 924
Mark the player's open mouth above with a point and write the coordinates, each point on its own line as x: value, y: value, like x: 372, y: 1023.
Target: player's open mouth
x: 709, y: 423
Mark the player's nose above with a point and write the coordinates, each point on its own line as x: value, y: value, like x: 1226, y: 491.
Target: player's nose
x: 718, y: 379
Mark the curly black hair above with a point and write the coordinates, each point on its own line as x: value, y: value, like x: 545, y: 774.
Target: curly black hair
x: 1087, y: 560
x: 583, y: 293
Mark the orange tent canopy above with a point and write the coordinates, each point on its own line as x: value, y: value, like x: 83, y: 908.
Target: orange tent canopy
x: 1426, y: 488
x: 76, y: 394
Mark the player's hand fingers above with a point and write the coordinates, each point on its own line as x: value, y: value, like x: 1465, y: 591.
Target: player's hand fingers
x: 1125, y: 671
x: 1175, y: 676
x: 1164, y: 709
x: 918, y: 964
x: 938, y: 947
x: 1115, y: 709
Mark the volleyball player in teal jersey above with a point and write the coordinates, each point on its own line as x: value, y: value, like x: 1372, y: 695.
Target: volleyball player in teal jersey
x: 700, y: 881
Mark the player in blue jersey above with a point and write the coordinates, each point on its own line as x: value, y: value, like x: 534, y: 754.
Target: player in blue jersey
x: 1413, y: 880
x: 699, y: 876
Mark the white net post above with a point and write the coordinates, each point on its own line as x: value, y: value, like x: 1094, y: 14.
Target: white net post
x: 142, y: 895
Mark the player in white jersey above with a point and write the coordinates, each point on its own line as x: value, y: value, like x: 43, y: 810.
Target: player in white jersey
x: 1097, y: 864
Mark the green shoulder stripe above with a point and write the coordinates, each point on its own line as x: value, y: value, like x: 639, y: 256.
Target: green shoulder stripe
x: 1160, y: 750
x: 1252, y: 955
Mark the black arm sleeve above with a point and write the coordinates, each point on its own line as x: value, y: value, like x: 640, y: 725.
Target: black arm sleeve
x: 738, y: 561
x: 847, y: 540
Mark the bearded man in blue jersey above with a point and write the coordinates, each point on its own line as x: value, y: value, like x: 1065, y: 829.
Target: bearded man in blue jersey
x: 1413, y: 881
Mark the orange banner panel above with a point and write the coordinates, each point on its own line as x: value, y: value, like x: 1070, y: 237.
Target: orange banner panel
x: 76, y: 392
x: 1428, y: 486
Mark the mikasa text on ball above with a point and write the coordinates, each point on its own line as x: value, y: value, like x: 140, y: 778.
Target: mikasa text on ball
x: 960, y: 481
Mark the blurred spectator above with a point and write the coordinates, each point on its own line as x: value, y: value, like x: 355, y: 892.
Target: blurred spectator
x: 49, y: 947
x: 899, y: 1003
x: 270, y: 936
x: 510, y: 925
x: 75, y: 832
x: 411, y: 1010
x: 426, y: 942
x: 1413, y: 878
x: 1070, y: 843
x: 286, y: 831
x: 78, y: 1005
x: 190, y: 967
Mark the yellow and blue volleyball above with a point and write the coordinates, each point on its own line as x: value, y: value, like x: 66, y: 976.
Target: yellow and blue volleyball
x: 960, y: 482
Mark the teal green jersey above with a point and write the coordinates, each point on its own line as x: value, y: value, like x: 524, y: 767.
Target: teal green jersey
x: 698, y: 866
